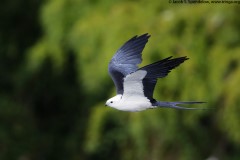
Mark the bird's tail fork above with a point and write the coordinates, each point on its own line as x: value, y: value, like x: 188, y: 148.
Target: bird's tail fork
x: 175, y: 105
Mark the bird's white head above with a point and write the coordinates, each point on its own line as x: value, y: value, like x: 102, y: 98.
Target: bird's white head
x: 112, y: 101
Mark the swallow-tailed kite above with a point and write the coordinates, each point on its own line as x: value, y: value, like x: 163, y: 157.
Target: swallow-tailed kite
x: 135, y: 85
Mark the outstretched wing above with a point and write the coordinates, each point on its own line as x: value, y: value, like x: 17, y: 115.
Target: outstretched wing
x: 126, y: 59
x: 156, y: 70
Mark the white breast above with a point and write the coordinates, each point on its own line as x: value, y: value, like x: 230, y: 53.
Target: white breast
x: 133, y: 104
x: 133, y: 98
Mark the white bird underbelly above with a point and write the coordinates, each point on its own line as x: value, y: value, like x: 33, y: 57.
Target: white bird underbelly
x: 133, y: 104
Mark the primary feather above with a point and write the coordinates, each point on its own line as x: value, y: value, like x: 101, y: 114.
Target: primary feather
x: 126, y: 59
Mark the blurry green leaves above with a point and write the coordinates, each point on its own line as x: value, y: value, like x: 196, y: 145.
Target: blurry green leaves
x: 94, y: 132
x: 16, y: 128
x: 94, y: 30
x: 230, y: 102
x: 43, y: 50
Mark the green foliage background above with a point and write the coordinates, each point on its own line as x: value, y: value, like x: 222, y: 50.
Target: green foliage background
x: 54, y: 82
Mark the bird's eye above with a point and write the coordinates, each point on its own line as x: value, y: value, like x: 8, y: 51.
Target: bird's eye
x: 111, y: 102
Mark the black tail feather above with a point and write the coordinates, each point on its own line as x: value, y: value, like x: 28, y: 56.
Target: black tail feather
x: 175, y: 105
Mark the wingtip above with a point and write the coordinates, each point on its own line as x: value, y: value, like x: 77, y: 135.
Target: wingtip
x: 145, y: 35
x: 186, y: 58
x: 182, y: 58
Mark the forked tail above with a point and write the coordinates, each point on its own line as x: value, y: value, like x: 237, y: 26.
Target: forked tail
x: 175, y: 104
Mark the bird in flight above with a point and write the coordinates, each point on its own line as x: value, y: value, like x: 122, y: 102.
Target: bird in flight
x: 135, y: 85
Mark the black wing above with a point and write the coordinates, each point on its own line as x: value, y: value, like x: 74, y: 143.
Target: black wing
x: 126, y: 59
x: 156, y: 70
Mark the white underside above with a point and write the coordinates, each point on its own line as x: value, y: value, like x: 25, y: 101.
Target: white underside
x: 133, y: 98
x: 133, y: 104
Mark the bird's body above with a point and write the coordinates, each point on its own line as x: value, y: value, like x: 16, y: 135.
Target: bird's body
x: 135, y: 85
x: 133, y: 98
x: 133, y: 104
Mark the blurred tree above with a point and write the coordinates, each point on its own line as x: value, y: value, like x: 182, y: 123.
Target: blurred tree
x: 19, y: 29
